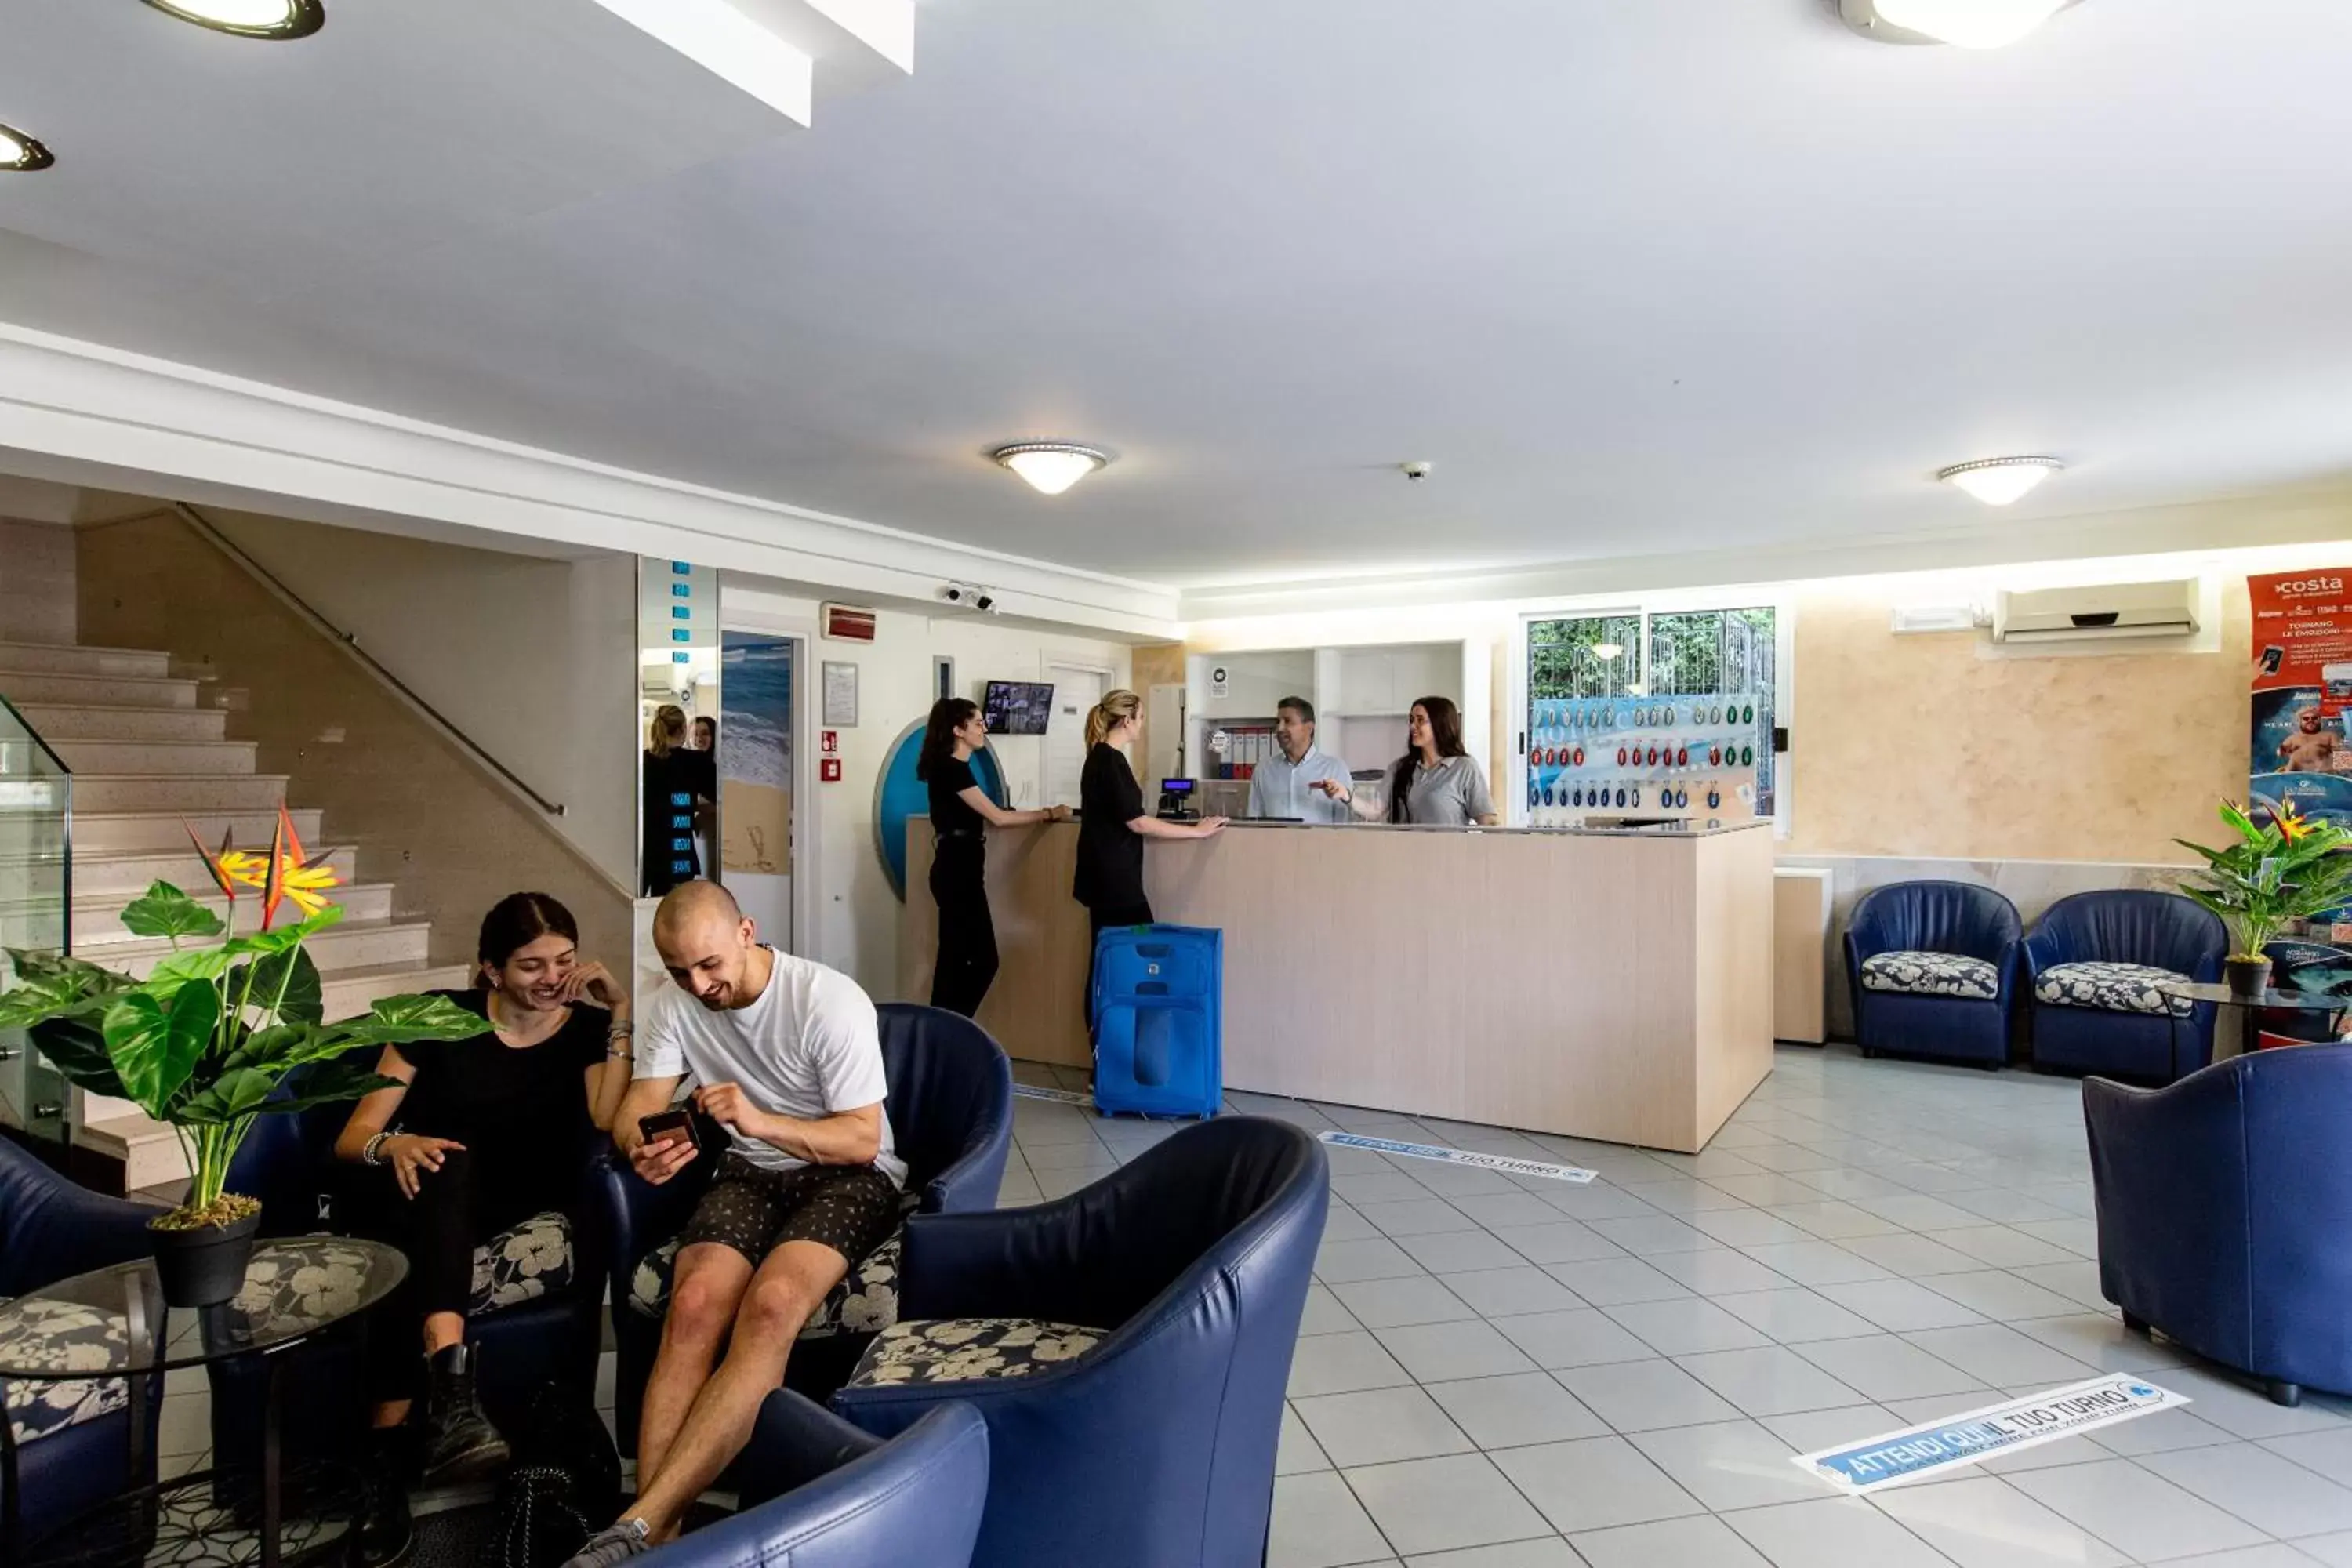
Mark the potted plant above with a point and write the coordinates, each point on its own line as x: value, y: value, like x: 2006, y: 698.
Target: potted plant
x: 2278, y: 872
x: 203, y: 1043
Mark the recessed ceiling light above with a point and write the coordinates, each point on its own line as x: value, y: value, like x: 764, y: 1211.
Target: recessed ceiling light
x: 1050, y: 467
x: 19, y: 153
x: 1970, y: 24
x: 249, y: 18
x: 1997, y: 481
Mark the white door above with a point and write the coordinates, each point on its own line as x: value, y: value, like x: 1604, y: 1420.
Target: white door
x: 1075, y: 692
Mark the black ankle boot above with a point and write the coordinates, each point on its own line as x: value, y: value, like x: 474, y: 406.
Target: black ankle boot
x: 460, y: 1444
x: 384, y: 1533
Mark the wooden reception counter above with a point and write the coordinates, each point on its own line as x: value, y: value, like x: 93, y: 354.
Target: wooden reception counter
x: 1606, y: 985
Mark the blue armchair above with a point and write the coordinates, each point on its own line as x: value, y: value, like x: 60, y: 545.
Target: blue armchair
x: 951, y: 1110
x: 1136, y: 1345
x: 554, y: 1335
x: 2224, y: 1201
x: 1933, y: 967
x: 2093, y: 962
x: 819, y: 1493
x: 72, y: 1454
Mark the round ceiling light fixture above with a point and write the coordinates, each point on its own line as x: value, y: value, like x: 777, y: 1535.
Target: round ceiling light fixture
x: 1607, y: 651
x: 20, y: 154
x: 1997, y: 481
x: 1969, y: 24
x: 1050, y: 467
x: 249, y: 18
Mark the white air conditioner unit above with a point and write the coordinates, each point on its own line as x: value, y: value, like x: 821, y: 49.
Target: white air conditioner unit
x: 2100, y: 610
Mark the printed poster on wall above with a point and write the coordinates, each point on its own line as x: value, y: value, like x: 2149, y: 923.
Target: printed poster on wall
x: 2302, y: 691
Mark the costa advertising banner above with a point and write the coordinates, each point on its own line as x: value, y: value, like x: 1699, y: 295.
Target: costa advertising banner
x: 2302, y: 687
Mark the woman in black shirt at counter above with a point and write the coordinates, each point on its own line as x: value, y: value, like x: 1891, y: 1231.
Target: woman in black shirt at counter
x: 960, y: 814
x: 1112, y: 823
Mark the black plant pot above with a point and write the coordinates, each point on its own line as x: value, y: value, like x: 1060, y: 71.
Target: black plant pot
x: 205, y: 1267
x: 2247, y: 977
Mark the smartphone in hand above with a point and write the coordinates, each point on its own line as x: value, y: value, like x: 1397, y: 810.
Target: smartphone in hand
x: 661, y: 1124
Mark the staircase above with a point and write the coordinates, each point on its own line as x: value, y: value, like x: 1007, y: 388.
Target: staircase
x: 148, y: 751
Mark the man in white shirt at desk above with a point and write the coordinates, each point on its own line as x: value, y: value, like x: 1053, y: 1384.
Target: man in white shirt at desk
x: 1283, y: 786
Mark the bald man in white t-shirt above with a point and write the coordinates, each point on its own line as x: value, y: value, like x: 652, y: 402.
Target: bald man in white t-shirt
x: 788, y: 1057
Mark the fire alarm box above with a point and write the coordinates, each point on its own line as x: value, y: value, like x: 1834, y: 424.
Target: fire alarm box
x: 829, y: 743
x: 828, y: 770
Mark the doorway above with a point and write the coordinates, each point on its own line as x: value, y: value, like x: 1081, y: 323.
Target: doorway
x: 1076, y: 689
x: 759, y: 693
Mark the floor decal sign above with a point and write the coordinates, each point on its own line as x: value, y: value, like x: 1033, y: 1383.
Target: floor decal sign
x: 1918, y: 1453
x: 1502, y: 1163
x: 1058, y: 1096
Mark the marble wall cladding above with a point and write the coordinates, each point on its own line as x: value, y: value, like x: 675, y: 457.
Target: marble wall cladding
x: 2032, y: 885
x: 37, y: 582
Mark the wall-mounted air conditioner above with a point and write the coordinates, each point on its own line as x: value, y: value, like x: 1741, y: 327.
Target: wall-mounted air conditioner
x: 2098, y: 611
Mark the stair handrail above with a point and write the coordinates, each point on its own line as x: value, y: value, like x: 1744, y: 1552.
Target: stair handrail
x: 350, y: 641
x: 65, y: 924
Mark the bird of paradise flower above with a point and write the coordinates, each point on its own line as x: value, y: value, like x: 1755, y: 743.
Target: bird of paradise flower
x: 285, y: 873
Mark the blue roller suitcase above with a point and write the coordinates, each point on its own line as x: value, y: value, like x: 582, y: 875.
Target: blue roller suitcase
x: 1157, y: 1007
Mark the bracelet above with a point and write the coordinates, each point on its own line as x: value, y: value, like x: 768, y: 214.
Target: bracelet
x: 614, y: 1056
x: 371, y: 1154
x: 619, y: 1028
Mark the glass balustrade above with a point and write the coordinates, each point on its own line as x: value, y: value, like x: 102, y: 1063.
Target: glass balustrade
x: 35, y: 913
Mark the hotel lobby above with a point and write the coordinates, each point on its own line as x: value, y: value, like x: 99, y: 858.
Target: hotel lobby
x: 1561, y: 787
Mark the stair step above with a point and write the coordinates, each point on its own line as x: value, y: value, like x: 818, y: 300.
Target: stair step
x: 109, y: 722
x: 178, y: 792
x: 26, y: 686
x: 99, y: 832
x: 97, y: 919
x: 354, y: 944
x: 348, y: 992
x: 66, y: 658
x: 150, y: 758
x: 150, y: 1151
x: 122, y: 875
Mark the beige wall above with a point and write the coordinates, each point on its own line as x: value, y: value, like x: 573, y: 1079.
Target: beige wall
x: 1157, y: 664
x: 36, y: 578
x: 422, y: 813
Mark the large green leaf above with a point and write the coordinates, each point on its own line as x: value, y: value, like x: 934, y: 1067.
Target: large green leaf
x: 204, y: 964
x: 345, y: 1078
x: 282, y: 939
x: 76, y: 1047
x: 395, y: 1019
x: 302, y: 1002
x: 165, y: 910
x: 155, y: 1042
x: 236, y: 1093
x: 48, y: 987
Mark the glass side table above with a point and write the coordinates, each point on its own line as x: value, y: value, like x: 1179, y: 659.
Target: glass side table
x: 2236, y: 1018
x: 111, y: 1323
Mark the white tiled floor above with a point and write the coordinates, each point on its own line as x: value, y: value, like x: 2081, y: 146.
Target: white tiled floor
x: 1510, y: 1372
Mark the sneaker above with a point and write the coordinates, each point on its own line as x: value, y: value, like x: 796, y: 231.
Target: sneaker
x: 460, y: 1444
x: 607, y: 1547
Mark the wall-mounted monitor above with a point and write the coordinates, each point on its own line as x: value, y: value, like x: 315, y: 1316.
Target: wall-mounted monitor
x: 1017, y: 707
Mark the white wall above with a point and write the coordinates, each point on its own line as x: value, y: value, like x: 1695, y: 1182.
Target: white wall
x: 534, y: 658
x: 857, y: 916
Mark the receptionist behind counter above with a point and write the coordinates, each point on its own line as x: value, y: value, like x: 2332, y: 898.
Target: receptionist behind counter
x: 1434, y: 784
x: 1283, y: 786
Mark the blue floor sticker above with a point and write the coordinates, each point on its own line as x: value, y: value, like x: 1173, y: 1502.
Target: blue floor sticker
x: 1918, y: 1452
x: 1502, y: 1163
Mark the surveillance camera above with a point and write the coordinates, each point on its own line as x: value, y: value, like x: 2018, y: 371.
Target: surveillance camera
x: 1416, y: 471
x: 953, y: 593
x: 985, y: 601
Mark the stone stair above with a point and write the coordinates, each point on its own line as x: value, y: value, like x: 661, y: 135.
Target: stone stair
x: 148, y: 751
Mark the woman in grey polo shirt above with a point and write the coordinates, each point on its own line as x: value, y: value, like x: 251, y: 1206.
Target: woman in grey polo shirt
x: 1434, y: 784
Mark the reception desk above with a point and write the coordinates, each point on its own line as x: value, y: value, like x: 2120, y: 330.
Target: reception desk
x: 1612, y: 985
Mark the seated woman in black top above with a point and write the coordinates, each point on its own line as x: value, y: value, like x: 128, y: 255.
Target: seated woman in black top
x: 482, y: 1135
x: 1112, y: 823
x: 960, y: 814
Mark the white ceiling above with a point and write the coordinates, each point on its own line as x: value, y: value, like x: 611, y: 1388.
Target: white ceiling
x: 1638, y: 276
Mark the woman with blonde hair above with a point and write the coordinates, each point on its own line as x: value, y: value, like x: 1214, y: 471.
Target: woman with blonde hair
x: 681, y: 785
x: 1112, y: 823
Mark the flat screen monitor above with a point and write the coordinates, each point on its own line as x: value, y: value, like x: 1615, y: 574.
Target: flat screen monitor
x: 1017, y: 707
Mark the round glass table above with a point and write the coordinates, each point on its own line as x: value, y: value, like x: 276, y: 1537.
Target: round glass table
x: 62, y: 1344
x: 2241, y: 1014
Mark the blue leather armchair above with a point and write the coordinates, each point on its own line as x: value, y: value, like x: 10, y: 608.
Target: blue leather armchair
x: 2224, y: 1202
x: 819, y: 1493
x: 2093, y: 961
x: 1155, y: 1447
x: 288, y: 1161
x: 951, y: 1110
x: 1933, y: 967
x: 50, y: 1230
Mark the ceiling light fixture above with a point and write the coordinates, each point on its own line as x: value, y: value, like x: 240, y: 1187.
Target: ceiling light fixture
x: 1969, y: 24
x: 1607, y: 650
x: 249, y: 18
x: 1050, y: 467
x: 19, y: 153
x: 1997, y: 481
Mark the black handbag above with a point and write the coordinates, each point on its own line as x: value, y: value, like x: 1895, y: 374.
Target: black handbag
x: 565, y: 1485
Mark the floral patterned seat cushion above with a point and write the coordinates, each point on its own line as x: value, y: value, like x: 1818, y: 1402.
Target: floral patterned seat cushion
x: 865, y: 1302
x: 68, y: 1337
x: 968, y: 1349
x: 521, y: 1264
x: 1931, y: 974
x: 2111, y: 988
